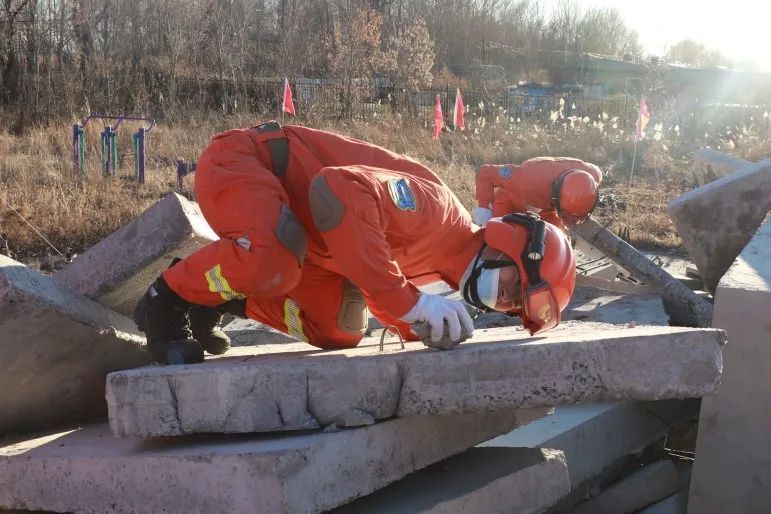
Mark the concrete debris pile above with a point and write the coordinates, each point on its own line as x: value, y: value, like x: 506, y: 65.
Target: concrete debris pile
x: 279, y: 426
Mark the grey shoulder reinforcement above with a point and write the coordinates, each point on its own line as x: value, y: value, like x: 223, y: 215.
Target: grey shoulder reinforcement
x: 291, y: 233
x: 326, y: 208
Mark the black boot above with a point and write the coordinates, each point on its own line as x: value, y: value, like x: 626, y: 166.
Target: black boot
x: 164, y: 318
x: 204, y: 322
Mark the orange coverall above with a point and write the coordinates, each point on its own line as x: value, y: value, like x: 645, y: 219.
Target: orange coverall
x: 392, y: 225
x: 506, y: 188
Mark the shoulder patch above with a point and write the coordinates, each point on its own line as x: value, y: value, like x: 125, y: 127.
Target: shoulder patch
x: 401, y: 194
x: 504, y: 172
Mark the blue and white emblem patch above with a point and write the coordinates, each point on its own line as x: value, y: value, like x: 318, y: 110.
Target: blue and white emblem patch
x: 504, y: 172
x: 401, y: 194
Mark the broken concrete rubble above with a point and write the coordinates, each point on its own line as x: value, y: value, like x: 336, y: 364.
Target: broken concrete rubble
x: 56, y: 348
x: 592, y: 304
x: 119, y: 269
x: 477, y: 481
x: 595, y: 436
x: 643, y: 269
x: 76, y: 471
x: 717, y: 220
x: 293, y: 387
x: 645, y: 487
x: 711, y: 165
x: 730, y: 472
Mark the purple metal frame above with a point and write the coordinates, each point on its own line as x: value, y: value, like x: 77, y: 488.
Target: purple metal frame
x: 108, y: 141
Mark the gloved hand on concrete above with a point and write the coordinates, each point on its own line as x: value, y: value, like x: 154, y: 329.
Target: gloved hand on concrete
x: 436, y: 310
x: 482, y: 216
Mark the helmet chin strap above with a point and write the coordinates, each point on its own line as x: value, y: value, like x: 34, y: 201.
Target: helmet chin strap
x: 470, y: 288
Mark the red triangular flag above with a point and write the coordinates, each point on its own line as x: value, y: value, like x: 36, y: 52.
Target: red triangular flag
x: 287, y: 104
x: 457, y: 114
x: 438, y: 117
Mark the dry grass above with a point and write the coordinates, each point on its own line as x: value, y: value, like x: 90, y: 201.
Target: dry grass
x: 36, y: 176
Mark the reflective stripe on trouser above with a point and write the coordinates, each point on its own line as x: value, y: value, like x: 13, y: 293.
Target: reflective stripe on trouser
x: 219, y: 284
x: 310, y: 312
x: 293, y: 321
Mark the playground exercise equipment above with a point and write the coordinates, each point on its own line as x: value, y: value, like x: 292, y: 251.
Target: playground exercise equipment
x: 109, y: 149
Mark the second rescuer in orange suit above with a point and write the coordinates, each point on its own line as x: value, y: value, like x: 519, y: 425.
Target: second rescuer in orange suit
x: 559, y: 189
x: 316, y: 227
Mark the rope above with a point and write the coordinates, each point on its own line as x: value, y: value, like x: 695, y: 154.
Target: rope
x: 32, y: 227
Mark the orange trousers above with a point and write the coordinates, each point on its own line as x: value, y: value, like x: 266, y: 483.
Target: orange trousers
x: 250, y: 261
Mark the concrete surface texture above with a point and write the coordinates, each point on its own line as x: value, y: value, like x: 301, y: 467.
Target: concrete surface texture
x: 592, y: 304
x: 709, y: 165
x: 595, y: 436
x: 717, y: 220
x: 477, y: 481
x: 292, y: 386
x: 731, y: 471
x: 118, y: 270
x: 56, y: 347
x: 246, y: 332
x: 637, y: 491
x: 88, y: 470
x: 675, y: 504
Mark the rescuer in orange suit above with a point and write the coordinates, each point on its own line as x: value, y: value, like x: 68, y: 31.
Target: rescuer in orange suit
x: 316, y: 227
x: 559, y: 189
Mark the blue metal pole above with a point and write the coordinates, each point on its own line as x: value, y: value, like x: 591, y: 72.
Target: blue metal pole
x: 139, y: 155
x: 76, y: 146
x: 105, y: 138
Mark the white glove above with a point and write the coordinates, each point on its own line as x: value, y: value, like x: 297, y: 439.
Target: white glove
x: 482, y: 216
x: 434, y: 310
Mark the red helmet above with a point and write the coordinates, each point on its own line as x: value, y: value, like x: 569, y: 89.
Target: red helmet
x: 546, y: 264
x: 574, y: 195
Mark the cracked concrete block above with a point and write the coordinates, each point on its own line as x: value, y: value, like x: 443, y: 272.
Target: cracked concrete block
x: 88, y: 470
x: 56, y: 348
x: 593, y: 437
x: 717, y: 220
x: 730, y: 473
x: 645, y: 487
x: 294, y: 387
x: 477, y: 481
x: 711, y: 165
x: 117, y: 271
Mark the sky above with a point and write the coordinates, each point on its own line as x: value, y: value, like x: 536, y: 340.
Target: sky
x: 737, y: 28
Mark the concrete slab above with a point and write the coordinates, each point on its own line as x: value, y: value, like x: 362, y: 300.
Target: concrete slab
x: 477, y: 481
x: 645, y: 487
x: 592, y: 304
x: 709, y: 165
x: 731, y: 470
x: 717, y: 220
x: 675, y: 504
x: 595, y: 436
x: 291, y: 387
x: 56, y: 347
x: 117, y: 271
x: 88, y: 470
